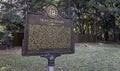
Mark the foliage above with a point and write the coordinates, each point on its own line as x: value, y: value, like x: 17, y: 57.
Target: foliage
x: 97, y: 17
x: 93, y: 17
x: 11, y: 16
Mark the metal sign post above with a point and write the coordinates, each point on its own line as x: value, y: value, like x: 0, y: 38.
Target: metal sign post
x: 51, y: 61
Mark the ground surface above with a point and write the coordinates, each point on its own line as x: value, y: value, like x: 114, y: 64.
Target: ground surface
x: 87, y: 57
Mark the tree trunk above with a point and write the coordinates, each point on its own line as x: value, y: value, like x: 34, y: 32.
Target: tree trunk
x: 119, y: 36
x: 106, y: 35
x: 114, y: 39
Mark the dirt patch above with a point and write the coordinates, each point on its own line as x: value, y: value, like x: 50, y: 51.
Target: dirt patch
x: 16, y: 50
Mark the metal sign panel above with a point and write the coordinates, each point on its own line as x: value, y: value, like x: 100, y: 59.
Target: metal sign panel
x: 48, y: 33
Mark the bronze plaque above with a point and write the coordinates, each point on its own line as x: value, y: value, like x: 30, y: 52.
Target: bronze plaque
x: 48, y: 33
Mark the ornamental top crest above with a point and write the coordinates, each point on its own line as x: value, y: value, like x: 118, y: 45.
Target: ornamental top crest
x: 52, y: 11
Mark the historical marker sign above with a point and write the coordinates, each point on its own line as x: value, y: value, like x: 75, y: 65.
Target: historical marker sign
x: 48, y: 33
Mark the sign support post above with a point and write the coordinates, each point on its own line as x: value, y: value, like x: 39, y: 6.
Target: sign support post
x: 51, y: 61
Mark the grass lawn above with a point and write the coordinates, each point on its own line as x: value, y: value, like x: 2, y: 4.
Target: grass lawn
x: 87, y: 57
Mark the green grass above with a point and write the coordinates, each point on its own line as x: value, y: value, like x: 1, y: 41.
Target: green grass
x: 87, y: 57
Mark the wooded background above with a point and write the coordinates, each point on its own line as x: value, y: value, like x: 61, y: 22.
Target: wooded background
x: 94, y: 20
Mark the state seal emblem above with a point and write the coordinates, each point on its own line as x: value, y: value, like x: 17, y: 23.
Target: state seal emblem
x: 52, y: 11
